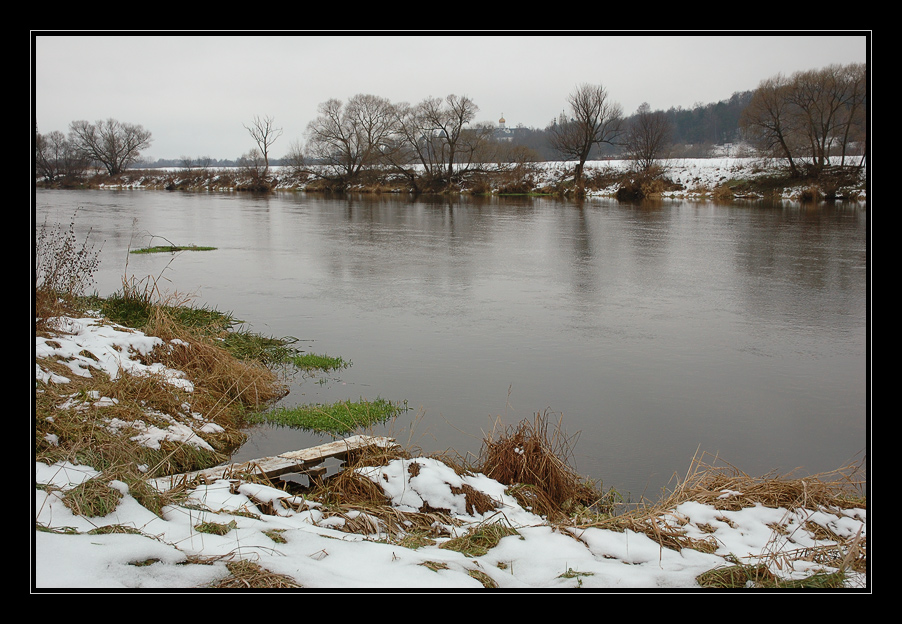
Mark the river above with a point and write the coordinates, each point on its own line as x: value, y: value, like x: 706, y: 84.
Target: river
x: 650, y: 332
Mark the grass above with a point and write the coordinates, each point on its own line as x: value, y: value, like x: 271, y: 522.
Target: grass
x: 480, y: 539
x: 215, y: 528
x: 760, y: 577
x: 171, y: 249
x: 244, y: 574
x: 92, y: 498
x: 338, y: 418
x: 312, y: 361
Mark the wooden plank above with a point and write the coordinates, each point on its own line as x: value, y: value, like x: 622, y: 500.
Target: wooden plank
x: 339, y: 448
x: 272, y: 467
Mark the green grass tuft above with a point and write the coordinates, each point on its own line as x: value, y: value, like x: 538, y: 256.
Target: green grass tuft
x: 337, y: 418
x: 312, y: 361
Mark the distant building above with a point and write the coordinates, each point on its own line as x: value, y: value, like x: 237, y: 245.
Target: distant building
x: 502, y: 132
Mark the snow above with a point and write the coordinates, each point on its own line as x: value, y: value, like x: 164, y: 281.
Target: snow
x: 318, y: 554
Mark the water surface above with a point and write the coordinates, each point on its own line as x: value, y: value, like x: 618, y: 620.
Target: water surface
x: 650, y: 332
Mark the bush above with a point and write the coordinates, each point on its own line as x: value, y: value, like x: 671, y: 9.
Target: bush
x: 63, y: 267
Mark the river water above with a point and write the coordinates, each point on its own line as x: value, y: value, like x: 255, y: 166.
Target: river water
x: 648, y: 333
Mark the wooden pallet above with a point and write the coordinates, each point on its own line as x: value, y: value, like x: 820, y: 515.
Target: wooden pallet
x: 305, y: 461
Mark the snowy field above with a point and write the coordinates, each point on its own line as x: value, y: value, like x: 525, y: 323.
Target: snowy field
x: 321, y: 552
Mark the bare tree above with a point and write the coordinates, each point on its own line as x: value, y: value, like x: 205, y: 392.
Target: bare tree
x: 437, y: 133
x: 114, y: 144
x: 810, y: 114
x: 264, y: 134
x: 593, y: 120
x: 410, y: 144
x: 819, y: 97
x: 647, y: 136
x: 446, y: 120
x: 347, y: 138
x: 853, y: 117
x: 769, y: 122
x: 296, y: 160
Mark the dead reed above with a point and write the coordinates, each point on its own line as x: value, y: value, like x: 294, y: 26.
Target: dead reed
x: 532, y: 458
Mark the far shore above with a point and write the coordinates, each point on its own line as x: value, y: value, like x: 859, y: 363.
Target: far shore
x: 724, y: 179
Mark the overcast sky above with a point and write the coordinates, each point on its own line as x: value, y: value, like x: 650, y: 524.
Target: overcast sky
x: 194, y: 92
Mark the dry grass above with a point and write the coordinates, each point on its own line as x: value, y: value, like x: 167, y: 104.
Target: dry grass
x: 725, y: 487
x: 478, y: 540
x: 707, y: 480
x: 533, y: 459
x: 246, y: 574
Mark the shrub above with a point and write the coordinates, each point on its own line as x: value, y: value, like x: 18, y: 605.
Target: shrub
x: 63, y: 268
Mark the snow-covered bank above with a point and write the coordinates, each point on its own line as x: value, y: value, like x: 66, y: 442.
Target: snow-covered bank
x: 696, y: 177
x: 317, y: 549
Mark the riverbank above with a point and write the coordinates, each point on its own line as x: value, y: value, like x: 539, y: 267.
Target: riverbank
x: 116, y: 405
x: 717, y: 179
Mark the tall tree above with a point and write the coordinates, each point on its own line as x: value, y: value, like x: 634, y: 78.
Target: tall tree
x: 448, y: 141
x: 853, y: 117
x: 593, y: 120
x: 818, y: 97
x: 769, y: 121
x: 647, y: 136
x: 112, y: 143
x: 347, y: 138
x: 264, y: 133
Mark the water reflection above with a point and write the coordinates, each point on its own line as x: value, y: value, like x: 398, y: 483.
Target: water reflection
x: 652, y: 329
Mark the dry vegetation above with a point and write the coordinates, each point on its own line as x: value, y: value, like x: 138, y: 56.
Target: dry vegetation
x: 707, y: 483
x: 70, y: 424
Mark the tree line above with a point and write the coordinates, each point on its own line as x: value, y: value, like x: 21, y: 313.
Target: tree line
x: 112, y: 144
x: 436, y: 143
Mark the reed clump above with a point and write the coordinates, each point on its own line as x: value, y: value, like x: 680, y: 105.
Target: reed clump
x: 532, y: 457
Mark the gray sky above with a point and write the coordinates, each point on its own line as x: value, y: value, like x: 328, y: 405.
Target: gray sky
x: 194, y: 92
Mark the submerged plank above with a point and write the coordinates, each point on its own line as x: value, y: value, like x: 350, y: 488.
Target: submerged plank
x: 272, y: 467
